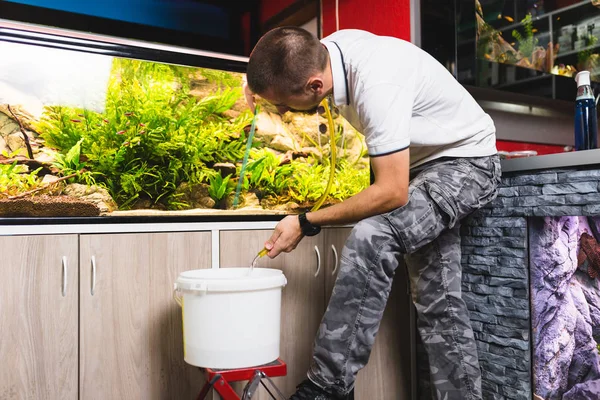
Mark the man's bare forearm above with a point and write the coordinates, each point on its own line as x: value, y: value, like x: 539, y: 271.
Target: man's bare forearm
x: 374, y: 200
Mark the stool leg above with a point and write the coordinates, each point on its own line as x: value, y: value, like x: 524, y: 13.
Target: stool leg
x: 225, y: 390
x: 207, y: 386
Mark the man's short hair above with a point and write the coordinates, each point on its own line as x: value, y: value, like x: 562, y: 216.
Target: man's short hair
x: 283, y: 60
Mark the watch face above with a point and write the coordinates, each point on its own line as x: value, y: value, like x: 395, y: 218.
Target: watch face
x: 312, y: 230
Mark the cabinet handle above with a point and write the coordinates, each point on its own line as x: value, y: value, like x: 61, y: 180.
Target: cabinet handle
x: 335, y: 262
x: 64, y: 280
x: 93, y: 275
x: 318, y: 261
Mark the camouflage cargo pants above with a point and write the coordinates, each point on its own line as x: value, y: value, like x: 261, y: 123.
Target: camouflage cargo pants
x: 426, y: 233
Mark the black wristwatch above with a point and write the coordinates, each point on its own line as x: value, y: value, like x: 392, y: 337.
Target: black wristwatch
x: 308, y: 229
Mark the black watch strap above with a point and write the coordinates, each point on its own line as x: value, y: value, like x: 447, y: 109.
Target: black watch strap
x: 307, y: 228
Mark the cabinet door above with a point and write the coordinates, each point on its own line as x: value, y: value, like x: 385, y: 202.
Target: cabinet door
x: 38, y: 317
x: 333, y: 243
x: 131, y: 333
x: 302, y: 299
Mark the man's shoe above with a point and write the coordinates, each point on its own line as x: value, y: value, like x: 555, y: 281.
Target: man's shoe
x: 309, y: 391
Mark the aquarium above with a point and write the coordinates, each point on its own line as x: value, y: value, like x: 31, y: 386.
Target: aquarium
x: 98, y: 126
x: 532, y: 47
x: 557, y: 40
x: 565, y: 314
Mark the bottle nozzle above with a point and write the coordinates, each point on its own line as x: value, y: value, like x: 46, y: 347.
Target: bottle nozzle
x: 583, y: 78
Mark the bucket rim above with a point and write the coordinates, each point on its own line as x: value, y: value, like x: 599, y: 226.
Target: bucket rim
x: 229, y: 280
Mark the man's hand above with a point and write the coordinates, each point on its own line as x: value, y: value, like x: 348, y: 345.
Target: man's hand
x: 249, y: 96
x: 285, y: 237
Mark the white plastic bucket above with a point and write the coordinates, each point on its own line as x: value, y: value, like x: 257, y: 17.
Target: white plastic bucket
x: 231, y: 318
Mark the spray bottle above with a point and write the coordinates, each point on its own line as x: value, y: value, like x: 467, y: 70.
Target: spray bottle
x: 586, y: 120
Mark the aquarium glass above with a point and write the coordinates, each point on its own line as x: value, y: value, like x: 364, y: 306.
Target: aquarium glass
x: 549, y: 36
x: 84, y: 134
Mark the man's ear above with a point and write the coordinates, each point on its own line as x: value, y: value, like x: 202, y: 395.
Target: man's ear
x: 315, y: 85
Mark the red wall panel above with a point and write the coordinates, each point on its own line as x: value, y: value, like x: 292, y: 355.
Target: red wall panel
x: 270, y: 8
x: 382, y: 17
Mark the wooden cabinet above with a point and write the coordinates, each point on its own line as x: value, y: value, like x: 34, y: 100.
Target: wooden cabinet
x: 91, y: 316
x: 130, y: 326
x: 387, y: 376
x: 38, y: 317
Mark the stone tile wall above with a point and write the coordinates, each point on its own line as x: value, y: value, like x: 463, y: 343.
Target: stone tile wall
x: 495, y: 258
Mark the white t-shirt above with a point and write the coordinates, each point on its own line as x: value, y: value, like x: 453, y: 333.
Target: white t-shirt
x: 399, y: 96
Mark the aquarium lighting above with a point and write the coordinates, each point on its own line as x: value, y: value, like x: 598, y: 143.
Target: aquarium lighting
x: 49, y: 36
x: 60, y: 46
x: 20, y: 28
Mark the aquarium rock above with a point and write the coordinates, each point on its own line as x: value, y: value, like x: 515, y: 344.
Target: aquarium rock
x: 584, y: 391
x: 7, y: 125
x: 11, y: 137
x: 231, y: 114
x: 565, y: 309
x: 271, y: 130
x: 3, y: 146
x: 48, y: 178
x: 92, y: 194
x: 225, y: 169
x: 195, y: 195
x: 26, y: 118
x: 251, y: 201
x: 284, y: 143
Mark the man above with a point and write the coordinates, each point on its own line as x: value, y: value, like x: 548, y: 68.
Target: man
x: 433, y: 157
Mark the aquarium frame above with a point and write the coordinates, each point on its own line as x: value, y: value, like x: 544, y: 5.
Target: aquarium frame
x: 65, y: 39
x: 231, y: 43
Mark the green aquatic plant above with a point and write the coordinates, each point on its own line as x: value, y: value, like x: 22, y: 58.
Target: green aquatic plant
x: 219, y: 187
x: 300, y: 181
x: 14, y: 179
x: 584, y: 55
x: 349, y: 179
x: 153, y: 135
x: 221, y: 78
x: 309, y: 183
x: 262, y: 170
x: 265, y: 174
x: 71, y: 164
x: 527, y: 42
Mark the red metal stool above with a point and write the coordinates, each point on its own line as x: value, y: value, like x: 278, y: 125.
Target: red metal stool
x: 220, y: 379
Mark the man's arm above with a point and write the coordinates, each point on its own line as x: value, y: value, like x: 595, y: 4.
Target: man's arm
x: 388, y: 192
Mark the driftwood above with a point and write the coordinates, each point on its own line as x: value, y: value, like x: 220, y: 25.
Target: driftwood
x: 25, y: 136
x: 47, y: 168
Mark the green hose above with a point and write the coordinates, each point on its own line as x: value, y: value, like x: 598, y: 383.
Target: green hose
x: 238, y: 189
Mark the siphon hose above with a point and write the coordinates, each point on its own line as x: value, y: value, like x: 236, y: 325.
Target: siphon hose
x: 238, y: 189
x: 333, y: 151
